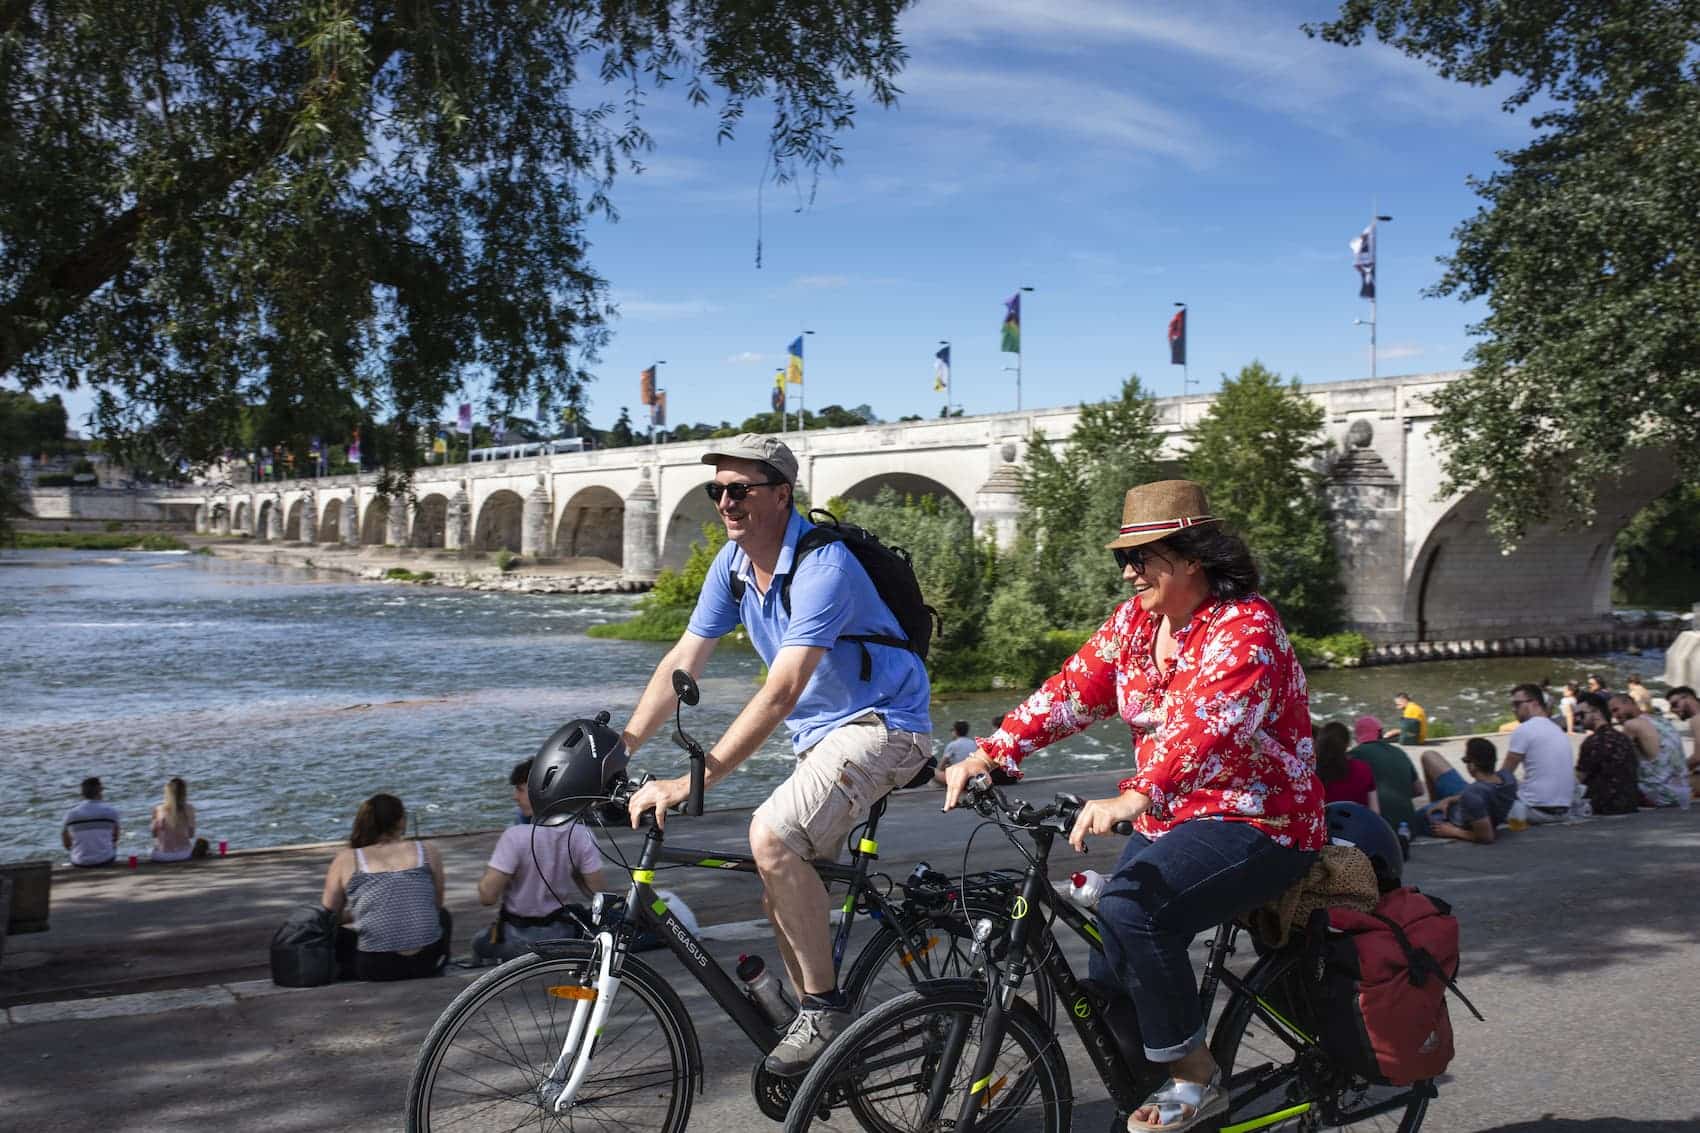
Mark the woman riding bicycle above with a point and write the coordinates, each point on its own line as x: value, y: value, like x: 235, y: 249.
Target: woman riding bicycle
x: 1226, y: 805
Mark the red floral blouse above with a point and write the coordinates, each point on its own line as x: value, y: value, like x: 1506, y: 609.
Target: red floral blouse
x: 1224, y: 733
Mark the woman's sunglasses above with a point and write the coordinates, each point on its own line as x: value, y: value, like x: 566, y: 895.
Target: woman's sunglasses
x: 738, y: 492
x: 1135, y: 557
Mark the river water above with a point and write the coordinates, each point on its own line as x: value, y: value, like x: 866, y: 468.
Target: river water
x: 284, y: 698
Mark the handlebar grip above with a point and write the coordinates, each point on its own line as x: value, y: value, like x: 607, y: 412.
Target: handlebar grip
x: 693, y: 805
x: 1124, y: 828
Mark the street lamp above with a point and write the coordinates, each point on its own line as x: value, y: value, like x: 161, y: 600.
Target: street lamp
x: 1375, y: 289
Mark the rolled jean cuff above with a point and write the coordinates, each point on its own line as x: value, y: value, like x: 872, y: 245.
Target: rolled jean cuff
x: 1176, y: 1053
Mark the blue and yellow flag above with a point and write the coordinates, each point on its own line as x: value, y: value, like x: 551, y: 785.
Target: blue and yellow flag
x: 794, y: 365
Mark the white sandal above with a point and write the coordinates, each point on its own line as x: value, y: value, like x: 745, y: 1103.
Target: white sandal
x: 1182, y: 1105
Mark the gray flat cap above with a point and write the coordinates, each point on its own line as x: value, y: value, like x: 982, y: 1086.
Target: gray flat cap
x: 755, y: 446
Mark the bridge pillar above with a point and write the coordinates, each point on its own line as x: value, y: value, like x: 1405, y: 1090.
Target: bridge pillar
x: 309, y: 518
x: 641, y: 554
x: 348, y: 522
x: 274, y: 529
x: 1368, y: 529
x: 997, y: 503
x: 395, y: 526
x: 457, y: 522
x: 221, y: 517
x: 534, y: 524
x: 203, y: 517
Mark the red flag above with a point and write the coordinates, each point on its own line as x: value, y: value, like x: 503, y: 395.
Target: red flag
x: 646, y: 387
x: 1177, y: 338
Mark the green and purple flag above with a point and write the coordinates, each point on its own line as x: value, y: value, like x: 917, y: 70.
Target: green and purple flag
x: 1012, y: 324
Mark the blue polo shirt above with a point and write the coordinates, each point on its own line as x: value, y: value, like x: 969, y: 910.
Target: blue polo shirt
x: 830, y: 596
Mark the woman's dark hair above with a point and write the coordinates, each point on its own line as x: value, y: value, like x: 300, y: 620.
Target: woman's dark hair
x: 1332, y: 741
x: 377, y: 816
x: 1228, y: 566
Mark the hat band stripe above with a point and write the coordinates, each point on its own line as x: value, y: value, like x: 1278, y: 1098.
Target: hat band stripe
x: 1166, y: 524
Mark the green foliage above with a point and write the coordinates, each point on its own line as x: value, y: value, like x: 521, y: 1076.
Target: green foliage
x: 1332, y: 651
x: 95, y: 541
x: 213, y: 206
x: 112, y: 525
x: 1071, y: 499
x: 31, y: 427
x: 1657, y: 559
x: 506, y: 560
x: 665, y: 611
x: 950, y: 563
x: 402, y: 574
x: 1585, y: 247
x: 1256, y: 452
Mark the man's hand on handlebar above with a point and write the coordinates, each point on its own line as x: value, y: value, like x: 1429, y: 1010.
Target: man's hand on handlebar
x: 657, y: 795
x: 1099, y: 816
x: 956, y: 776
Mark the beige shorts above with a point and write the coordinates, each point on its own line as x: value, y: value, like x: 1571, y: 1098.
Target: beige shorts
x: 837, y: 781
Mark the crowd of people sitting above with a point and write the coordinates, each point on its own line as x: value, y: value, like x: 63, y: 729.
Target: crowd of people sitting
x: 1631, y: 758
x: 92, y: 827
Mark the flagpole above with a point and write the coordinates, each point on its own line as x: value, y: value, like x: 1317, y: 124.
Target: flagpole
x: 802, y: 396
x: 658, y: 391
x: 948, y: 378
x: 1020, y: 341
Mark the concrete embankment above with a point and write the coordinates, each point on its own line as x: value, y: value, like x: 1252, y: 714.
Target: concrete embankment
x: 470, y: 571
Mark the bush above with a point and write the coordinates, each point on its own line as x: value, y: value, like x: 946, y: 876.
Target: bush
x: 112, y: 525
x: 1334, y: 651
x: 506, y: 560
x: 402, y: 574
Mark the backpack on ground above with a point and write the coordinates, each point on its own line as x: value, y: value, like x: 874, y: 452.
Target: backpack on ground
x: 304, y: 948
x: 893, y: 576
x: 1385, y: 977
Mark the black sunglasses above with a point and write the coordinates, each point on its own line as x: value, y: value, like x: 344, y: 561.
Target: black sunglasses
x: 1135, y: 557
x: 737, y: 491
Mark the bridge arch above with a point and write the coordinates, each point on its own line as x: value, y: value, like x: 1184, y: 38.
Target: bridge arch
x: 292, y: 524
x: 330, y: 521
x: 241, y: 522
x: 500, y: 519
x: 685, y: 524
x: 430, y: 520
x: 905, y: 484
x: 263, y: 519
x: 374, y: 520
x: 592, y: 525
x: 1557, y: 580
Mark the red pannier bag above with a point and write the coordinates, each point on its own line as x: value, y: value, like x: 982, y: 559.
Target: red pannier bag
x: 1386, y: 977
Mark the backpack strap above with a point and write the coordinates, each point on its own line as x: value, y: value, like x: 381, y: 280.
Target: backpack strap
x: 1423, y: 964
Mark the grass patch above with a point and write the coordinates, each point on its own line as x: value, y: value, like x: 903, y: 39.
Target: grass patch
x: 402, y: 574
x: 95, y: 541
x: 1335, y: 651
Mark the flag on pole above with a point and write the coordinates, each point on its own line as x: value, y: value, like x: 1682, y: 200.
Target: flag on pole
x: 1177, y: 338
x: 646, y: 387
x: 1012, y: 324
x: 941, y: 370
x: 778, y: 399
x: 354, y: 444
x: 658, y: 409
x: 313, y: 447
x: 1363, y: 258
x: 440, y: 446
x: 464, y: 419
x: 794, y: 364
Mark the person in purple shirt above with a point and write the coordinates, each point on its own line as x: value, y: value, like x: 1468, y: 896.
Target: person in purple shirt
x: 857, y: 712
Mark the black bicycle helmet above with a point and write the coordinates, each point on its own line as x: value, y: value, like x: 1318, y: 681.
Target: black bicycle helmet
x: 1352, y: 824
x: 574, y: 768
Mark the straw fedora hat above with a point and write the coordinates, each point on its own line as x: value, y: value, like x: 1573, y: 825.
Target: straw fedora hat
x: 1160, y: 508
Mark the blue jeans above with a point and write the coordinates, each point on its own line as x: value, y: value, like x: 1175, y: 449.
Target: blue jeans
x: 1449, y: 784
x: 1164, y: 893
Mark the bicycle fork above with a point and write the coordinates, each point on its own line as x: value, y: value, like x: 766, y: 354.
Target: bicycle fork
x: 590, y: 1011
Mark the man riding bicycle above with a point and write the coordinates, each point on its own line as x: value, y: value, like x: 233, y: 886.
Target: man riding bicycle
x: 856, y: 711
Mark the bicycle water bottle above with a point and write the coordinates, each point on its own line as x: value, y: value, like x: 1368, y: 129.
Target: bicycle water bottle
x: 1085, y: 888
x: 761, y: 987
x: 1405, y: 840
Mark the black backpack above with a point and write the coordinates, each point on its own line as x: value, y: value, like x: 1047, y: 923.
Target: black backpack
x: 893, y: 576
x: 304, y: 948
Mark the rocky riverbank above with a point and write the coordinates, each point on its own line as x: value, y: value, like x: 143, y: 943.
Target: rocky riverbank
x: 413, y: 566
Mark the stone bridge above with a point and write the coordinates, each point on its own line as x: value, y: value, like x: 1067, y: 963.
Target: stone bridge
x: 1417, y: 568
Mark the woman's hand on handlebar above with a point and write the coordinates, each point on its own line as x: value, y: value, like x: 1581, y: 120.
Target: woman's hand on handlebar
x: 1099, y: 816
x: 657, y: 795
x: 956, y: 776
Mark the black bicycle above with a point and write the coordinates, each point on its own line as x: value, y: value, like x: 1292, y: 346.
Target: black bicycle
x: 950, y: 1056
x: 582, y: 1033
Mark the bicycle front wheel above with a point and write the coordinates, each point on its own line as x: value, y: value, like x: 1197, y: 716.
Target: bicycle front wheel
x: 485, y: 1064
x: 935, y: 947
x: 1272, y: 1064
x: 884, y: 1068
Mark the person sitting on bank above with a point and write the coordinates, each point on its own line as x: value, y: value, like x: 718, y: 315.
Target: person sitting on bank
x: 1544, y: 752
x: 959, y: 748
x: 1637, y: 692
x: 1685, y: 705
x: 1567, y: 709
x: 1344, y: 779
x: 1413, y: 721
x: 390, y: 893
x: 534, y: 905
x: 1608, y: 763
x: 90, y: 829
x: 1662, y: 772
x: 1475, y: 813
x: 1396, y: 782
x: 173, y: 825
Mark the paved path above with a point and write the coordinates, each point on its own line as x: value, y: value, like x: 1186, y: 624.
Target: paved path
x: 1580, y: 947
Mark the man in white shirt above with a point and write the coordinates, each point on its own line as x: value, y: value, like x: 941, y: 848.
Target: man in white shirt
x: 1549, y: 762
x: 90, y: 830
x: 959, y: 748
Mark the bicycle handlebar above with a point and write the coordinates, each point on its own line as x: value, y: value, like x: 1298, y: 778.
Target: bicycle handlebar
x: 1057, y: 816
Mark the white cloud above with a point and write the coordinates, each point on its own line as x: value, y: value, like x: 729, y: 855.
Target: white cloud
x: 636, y: 307
x: 820, y: 282
x: 745, y: 358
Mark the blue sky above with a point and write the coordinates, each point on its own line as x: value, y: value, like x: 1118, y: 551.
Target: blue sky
x: 1114, y: 159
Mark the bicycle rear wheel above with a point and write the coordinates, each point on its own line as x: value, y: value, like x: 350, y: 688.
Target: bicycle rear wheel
x: 935, y: 947
x: 1272, y: 1065
x: 485, y: 1063
x: 884, y: 1065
